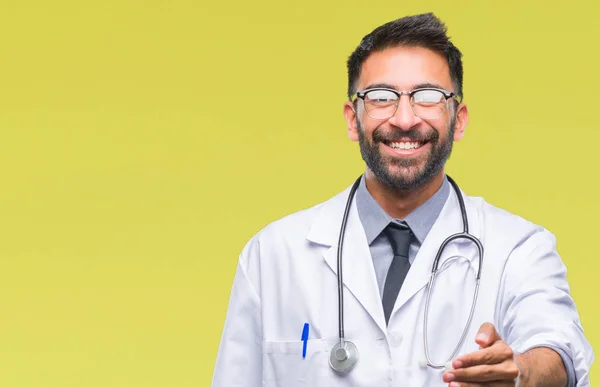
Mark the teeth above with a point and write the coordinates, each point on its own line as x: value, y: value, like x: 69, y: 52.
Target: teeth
x: 405, y: 145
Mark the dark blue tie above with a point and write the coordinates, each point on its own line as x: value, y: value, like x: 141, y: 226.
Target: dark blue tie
x: 400, y: 237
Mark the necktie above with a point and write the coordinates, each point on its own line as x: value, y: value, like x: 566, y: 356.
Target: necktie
x: 399, y: 237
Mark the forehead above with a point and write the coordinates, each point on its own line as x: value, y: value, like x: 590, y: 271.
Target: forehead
x: 404, y: 67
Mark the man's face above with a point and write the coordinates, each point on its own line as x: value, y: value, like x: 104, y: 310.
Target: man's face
x: 405, y: 151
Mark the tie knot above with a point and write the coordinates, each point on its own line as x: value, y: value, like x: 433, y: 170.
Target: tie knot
x: 400, y: 237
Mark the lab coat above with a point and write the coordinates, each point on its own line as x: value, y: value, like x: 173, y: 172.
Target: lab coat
x: 286, y: 277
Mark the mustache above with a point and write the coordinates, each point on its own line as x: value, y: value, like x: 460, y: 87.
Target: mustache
x: 380, y: 135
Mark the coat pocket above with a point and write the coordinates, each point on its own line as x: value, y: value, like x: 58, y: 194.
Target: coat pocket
x: 284, y: 365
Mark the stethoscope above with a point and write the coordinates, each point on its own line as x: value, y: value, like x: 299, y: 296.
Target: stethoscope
x: 343, y: 356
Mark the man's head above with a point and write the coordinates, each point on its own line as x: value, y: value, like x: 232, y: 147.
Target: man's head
x: 406, y: 139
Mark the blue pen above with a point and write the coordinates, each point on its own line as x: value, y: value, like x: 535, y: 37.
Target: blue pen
x: 305, y: 339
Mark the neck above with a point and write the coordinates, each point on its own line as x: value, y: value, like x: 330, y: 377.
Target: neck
x: 398, y: 204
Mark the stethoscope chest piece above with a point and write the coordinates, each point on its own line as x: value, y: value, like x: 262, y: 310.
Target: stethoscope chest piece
x: 343, y: 356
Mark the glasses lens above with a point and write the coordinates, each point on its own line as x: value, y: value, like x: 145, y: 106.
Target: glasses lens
x: 380, y: 104
x: 429, y: 104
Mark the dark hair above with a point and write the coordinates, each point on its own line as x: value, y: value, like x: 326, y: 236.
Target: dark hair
x: 424, y: 30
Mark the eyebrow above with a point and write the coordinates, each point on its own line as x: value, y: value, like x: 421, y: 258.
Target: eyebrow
x: 418, y: 86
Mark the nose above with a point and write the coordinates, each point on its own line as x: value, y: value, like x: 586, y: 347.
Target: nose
x: 404, y: 118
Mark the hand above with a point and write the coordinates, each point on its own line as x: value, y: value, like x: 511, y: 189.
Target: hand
x: 493, y: 365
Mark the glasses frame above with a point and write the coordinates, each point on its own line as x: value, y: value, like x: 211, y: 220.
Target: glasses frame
x: 447, y: 95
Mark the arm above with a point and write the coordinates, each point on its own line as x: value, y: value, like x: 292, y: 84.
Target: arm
x: 541, y: 364
x: 239, y: 360
x: 538, y: 336
x: 536, y: 310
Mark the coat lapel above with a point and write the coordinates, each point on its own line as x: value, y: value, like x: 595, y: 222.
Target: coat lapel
x: 358, y: 273
x: 448, y: 223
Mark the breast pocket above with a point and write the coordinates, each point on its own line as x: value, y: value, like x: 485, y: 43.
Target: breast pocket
x: 284, y: 365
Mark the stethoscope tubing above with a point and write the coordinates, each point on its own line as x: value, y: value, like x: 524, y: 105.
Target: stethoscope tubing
x: 463, y: 235
x: 339, y: 262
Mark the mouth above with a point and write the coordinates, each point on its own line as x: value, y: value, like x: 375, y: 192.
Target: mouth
x: 405, y: 148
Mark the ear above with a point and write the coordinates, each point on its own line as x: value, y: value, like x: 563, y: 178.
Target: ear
x: 350, y: 115
x: 462, y: 119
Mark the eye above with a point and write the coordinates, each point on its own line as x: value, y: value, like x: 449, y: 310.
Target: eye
x: 380, y: 96
x: 428, y: 97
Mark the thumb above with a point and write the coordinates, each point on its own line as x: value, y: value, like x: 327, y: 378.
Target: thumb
x: 487, y: 335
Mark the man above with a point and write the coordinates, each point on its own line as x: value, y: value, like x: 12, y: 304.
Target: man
x: 405, y: 111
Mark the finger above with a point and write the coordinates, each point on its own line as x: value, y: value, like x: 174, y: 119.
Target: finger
x: 487, y: 335
x: 496, y: 353
x: 504, y: 372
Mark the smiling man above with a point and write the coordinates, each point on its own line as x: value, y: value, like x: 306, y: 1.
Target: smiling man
x: 497, y: 312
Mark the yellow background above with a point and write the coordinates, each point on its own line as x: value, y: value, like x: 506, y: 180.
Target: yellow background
x: 142, y: 143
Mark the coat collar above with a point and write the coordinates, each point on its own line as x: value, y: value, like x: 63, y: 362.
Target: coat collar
x: 375, y: 219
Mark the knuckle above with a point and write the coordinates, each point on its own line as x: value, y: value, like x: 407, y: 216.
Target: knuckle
x: 489, y: 371
x: 507, y: 351
x: 487, y: 357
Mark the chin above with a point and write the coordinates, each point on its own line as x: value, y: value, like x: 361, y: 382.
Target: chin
x: 406, y: 178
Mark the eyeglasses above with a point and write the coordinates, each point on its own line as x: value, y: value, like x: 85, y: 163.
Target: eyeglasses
x: 426, y: 103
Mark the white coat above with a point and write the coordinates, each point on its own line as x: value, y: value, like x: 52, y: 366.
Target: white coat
x: 286, y: 276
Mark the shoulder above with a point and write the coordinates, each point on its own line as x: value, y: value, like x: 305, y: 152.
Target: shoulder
x: 293, y: 229
x: 518, y: 248
x: 506, y: 227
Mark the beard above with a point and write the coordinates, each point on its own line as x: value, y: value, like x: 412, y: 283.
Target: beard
x: 406, y: 173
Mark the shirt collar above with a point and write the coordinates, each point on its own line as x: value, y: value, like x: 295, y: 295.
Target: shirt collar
x: 421, y: 220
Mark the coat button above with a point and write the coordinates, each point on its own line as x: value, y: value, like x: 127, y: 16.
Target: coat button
x: 396, y: 339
